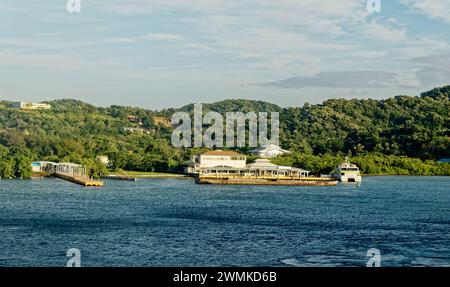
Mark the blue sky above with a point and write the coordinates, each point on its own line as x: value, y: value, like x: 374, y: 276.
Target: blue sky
x: 167, y: 53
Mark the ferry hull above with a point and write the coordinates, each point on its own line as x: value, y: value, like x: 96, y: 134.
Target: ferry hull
x: 348, y: 178
x: 347, y: 172
x: 262, y: 181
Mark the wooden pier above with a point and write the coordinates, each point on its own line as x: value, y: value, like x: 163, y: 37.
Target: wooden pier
x: 81, y: 180
x: 120, y: 177
x: 264, y: 180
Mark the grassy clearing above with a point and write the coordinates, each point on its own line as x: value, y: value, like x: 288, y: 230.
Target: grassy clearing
x: 143, y: 174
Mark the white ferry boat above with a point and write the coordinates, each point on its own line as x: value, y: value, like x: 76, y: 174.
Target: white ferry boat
x: 347, y: 172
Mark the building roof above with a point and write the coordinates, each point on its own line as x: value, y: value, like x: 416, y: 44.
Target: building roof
x: 268, y: 147
x: 221, y: 168
x: 265, y: 164
x: 68, y: 164
x: 298, y: 169
x: 262, y: 164
x: 43, y: 162
x: 222, y: 153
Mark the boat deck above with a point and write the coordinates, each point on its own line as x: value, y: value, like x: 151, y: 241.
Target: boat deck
x: 265, y: 180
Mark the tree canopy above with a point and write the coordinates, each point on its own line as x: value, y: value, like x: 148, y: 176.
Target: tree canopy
x: 384, y: 132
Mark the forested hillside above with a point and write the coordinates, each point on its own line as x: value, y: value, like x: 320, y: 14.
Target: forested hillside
x: 380, y: 134
x: 412, y: 126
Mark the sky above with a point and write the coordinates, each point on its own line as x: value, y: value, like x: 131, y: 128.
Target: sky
x: 167, y: 53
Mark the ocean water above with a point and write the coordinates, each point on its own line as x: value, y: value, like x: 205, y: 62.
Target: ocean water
x: 173, y: 222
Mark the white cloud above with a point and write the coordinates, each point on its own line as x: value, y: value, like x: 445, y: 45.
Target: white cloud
x: 259, y: 33
x: 8, y: 8
x: 44, y: 61
x: 434, y: 70
x: 321, y: 16
x: 439, y: 9
x: 385, y: 33
x: 195, y: 46
x: 238, y: 42
x: 340, y: 79
x: 161, y: 37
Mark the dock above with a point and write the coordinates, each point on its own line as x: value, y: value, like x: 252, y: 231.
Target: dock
x: 81, y: 180
x: 264, y: 180
x: 120, y: 177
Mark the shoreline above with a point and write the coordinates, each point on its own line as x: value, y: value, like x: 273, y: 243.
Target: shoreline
x: 174, y: 175
x: 403, y: 175
x: 142, y: 174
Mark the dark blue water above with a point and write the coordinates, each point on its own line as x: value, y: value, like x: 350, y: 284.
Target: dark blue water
x: 173, y: 222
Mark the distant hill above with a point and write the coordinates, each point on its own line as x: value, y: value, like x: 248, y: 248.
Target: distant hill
x: 403, y: 125
x: 438, y: 93
x: 236, y: 106
x: 139, y: 139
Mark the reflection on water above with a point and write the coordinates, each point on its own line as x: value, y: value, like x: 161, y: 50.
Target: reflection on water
x: 173, y: 222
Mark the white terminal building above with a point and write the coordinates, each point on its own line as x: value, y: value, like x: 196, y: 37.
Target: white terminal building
x: 220, y: 162
x: 216, y: 158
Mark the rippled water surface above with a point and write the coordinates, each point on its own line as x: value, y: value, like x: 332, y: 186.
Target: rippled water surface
x: 173, y: 222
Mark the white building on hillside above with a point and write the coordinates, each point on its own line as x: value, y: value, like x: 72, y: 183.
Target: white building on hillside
x: 31, y: 106
x: 269, y: 151
x: 103, y: 159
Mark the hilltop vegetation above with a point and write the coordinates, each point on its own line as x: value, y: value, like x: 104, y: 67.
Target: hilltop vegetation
x: 411, y: 126
x: 400, y: 135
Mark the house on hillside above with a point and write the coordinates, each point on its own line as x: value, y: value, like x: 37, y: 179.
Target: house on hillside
x: 136, y: 130
x: 31, y: 106
x: 134, y: 119
x: 103, y: 159
x: 269, y: 151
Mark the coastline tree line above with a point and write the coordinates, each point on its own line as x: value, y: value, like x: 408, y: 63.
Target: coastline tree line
x: 401, y: 135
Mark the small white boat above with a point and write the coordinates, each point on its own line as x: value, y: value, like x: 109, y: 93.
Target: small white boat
x: 347, y: 172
